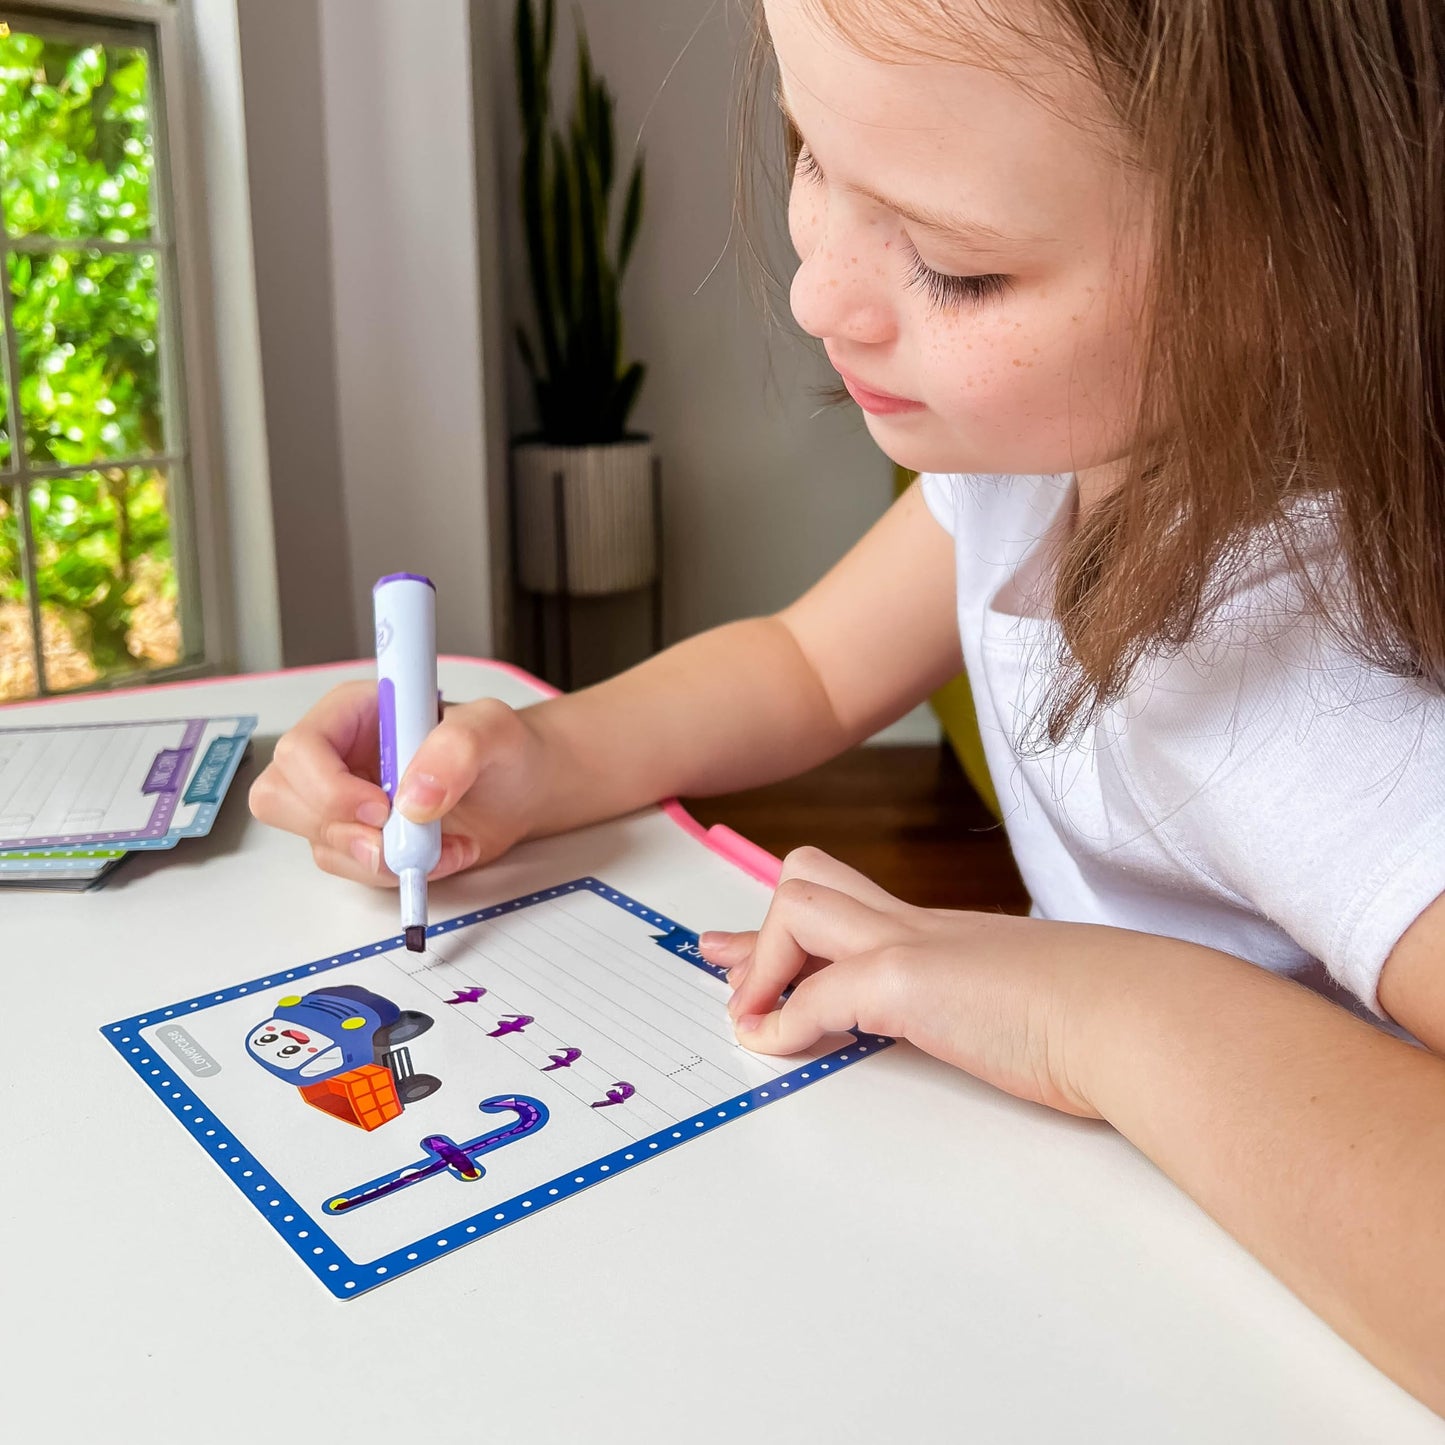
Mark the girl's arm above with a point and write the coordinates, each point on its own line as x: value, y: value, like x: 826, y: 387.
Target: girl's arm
x: 735, y: 707
x: 755, y: 701
x: 1314, y: 1139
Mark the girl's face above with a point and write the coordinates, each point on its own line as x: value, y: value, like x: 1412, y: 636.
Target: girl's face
x: 972, y: 261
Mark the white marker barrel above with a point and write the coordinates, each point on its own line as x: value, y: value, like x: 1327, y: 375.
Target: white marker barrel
x: 407, y: 710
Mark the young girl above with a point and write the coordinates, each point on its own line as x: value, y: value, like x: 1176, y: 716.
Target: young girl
x: 1153, y: 291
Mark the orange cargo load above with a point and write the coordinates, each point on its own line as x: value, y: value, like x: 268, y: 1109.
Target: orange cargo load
x: 365, y: 1097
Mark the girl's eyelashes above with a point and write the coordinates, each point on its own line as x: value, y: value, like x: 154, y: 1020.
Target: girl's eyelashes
x: 947, y: 292
x: 944, y: 291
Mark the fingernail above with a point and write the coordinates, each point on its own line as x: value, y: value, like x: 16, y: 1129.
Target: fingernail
x: 748, y: 1023
x: 420, y: 794
x: 736, y: 974
x: 366, y: 853
x: 715, y: 942
x: 373, y: 813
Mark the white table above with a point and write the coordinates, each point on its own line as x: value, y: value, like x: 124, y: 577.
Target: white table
x: 897, y: 1254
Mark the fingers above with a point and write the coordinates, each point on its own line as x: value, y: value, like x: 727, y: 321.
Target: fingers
x: 452, y: 757
x: 730, y: 951
x: 313, y: 786
x: 361, y: 862
x: 310, y: 781
x: 761, y: 965
x: 859, y: 993
x: 733, y: 950
x: 820, y: 867
x: 346, y: 718
x: 356, y: 853
x: 805, y: 920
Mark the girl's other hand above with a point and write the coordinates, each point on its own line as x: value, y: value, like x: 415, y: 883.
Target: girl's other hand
x: 476, y: 772
x: 1004, y: 998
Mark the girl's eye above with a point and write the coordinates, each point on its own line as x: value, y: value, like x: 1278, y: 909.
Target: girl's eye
x: 947, y: 292
x: 806, y: 168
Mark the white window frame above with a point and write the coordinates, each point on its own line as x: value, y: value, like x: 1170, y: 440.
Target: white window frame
x: 188, y: 393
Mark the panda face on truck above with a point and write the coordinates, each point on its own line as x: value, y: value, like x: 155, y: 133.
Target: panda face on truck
x: 314, y: 1036
x: 285, y: 1048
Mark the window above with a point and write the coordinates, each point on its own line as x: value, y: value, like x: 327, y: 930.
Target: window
x: 98, y: 550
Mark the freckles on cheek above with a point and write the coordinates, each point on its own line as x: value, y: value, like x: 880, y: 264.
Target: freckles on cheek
x: 970, y: 361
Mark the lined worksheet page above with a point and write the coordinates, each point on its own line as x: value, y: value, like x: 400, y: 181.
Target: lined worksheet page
x: 382, y: 1107
x: 107, y: 782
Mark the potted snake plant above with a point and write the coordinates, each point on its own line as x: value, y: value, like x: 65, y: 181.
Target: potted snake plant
x: 578, y: 247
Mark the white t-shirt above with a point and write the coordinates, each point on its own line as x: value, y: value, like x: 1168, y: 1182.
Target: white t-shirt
x: 1263, y: 792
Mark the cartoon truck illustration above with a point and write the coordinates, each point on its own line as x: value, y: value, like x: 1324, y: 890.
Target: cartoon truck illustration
x: 343, y: 1048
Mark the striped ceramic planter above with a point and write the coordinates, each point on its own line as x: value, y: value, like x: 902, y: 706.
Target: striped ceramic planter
x: 607, y: 497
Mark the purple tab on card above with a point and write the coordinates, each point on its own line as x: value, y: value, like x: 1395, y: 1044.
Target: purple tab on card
x: 386, y: 718
x: 167, y: 771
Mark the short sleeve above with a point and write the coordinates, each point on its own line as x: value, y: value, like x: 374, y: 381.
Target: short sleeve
x: 1300, y: 780
x: 940, y: 492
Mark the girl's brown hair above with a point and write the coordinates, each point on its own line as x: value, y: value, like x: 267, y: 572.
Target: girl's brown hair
x: 1296, y: 342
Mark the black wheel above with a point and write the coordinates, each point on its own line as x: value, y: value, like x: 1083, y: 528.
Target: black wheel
x: 418, y: 1086
x: 409, y: 1023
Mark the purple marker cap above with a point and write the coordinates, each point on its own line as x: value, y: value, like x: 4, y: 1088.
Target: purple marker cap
x: 404, y: 577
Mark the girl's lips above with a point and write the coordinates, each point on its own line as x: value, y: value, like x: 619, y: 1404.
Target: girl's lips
x: 879, y: 403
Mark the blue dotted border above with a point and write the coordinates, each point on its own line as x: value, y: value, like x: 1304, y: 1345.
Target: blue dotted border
x: 346, y: 1278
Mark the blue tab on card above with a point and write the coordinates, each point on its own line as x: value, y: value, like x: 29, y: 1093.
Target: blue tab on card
x: 210, y: 779
x: 682, y: 942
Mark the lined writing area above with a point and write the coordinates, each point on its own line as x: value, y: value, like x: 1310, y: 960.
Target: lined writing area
x: 624, y: 1025
x: 139, y: 784
x: 74, y: 780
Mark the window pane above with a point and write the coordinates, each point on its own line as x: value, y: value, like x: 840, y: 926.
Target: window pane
x: 17, y: 638
x: 76, y: 147
x: 106, y: 575
x: 86, y: 325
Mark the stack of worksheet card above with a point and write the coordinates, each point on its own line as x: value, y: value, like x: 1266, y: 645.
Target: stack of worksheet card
x: 76, y: 801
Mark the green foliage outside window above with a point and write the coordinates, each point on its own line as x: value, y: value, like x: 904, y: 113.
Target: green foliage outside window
x: 77, y: 165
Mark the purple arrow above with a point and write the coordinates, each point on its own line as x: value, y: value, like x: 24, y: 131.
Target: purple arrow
x: 564, y: 1060
x: 512, y: 1024
x: 467, y: 995
x: 619, y: 1093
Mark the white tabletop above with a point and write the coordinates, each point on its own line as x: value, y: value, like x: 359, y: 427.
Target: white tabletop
x: 897, y: 1254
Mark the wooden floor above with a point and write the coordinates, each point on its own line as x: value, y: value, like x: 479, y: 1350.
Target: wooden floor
x: 905, y: 816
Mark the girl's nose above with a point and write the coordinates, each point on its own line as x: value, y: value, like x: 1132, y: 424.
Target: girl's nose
x: 833, y: 297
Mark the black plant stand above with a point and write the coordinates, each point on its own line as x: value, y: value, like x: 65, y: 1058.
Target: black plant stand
x: 561, y: 600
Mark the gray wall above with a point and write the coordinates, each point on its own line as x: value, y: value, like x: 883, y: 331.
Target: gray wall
x: 228, y: 437
x: 363, y: 172
x: 401, y: 183
x: 280, y: 43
